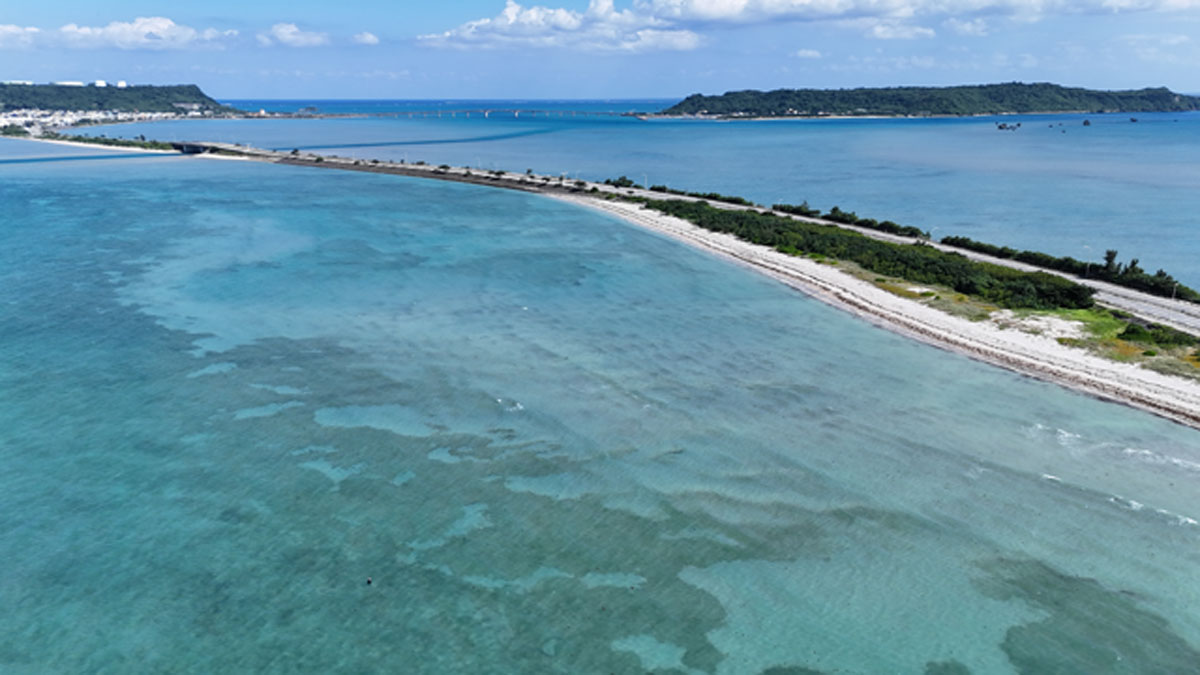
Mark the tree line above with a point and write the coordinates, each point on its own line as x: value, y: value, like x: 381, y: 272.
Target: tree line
x: 1012, y: 97
x: 139, y: 142
x: 850, y: 218
x: 1129, y: 275
x: 126, y: 99
x: 913, y: 262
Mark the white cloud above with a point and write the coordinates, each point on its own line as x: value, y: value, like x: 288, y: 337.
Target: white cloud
x: 676, y: 24
x: 14, y: 37
x: 599, y: 27
x: 154, y: 32
x: 887, y: 30
x: 806, y: 54
x: 768, y: 10
x: 366, y: 38
x: 289, y: 34
x: 1161, y: 48
x: 975, y: 27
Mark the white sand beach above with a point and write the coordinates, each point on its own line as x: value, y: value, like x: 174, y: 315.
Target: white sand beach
x: 1039, y: 356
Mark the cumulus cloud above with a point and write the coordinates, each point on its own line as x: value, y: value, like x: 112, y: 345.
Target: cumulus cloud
x: 768, y: 10
x: 155, y: 32
x: 290, y: 35
x: 806, y: 54
x: 366, y: 38
x: 599, y: 27
x: 15, y: 37
x: 679, y: 24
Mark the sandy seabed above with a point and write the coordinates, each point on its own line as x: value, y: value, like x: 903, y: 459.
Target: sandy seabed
x: 1038, y: 356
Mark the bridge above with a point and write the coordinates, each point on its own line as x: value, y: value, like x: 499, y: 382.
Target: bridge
x: 485, y: 113
x: 509, y: 112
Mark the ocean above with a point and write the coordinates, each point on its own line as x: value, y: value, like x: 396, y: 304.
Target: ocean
x: 232, y: 393
x: 1054, y: 185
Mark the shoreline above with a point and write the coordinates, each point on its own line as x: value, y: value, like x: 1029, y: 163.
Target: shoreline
x: 94, y: 146
x: 1173, y: 398
x: 734, y: 117
x: 1037, y: 356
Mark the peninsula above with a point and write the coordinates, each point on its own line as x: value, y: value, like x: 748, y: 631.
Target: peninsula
x: 1134, y: 348
x: 988, y: 99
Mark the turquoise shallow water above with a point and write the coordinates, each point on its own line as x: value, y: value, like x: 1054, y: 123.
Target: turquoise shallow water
x: 1054, y: 185
x: 231, y: 392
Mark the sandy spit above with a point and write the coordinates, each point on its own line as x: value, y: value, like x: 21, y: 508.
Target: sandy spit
x: 98, y: 146
x: 1037, y: 356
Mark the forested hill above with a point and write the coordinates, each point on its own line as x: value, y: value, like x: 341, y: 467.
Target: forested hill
x: 128, y: 99
x: 985, y: 99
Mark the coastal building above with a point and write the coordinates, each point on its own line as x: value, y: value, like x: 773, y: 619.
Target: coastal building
x: 121, y: 84
x: 29, y: 82
x: 99, y: 83
x: 67, y: 83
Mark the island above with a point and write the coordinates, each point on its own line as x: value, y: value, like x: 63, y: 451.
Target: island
x: 146, y: 99
x: 987, y: 99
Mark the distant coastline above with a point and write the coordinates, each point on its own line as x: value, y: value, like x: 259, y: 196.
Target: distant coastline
x: 961, y: 101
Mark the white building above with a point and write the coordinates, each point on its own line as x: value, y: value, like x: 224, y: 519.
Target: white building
x: 68, y: 83
x: 99, y: 83
x: 121, y: 84
x: 29, y: 82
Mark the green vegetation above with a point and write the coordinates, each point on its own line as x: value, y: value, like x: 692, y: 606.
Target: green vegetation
x: 1116, y: 335
x: 1155, y: 334
x: 1130, y: 276
x: 140, y: 142
x: 850, y: 218
x: 126, y: 99
x: 798, y: 209
x: 13, y: 130
x: 625, y: 182
x: 914, y: 262
x: 1014, y: 97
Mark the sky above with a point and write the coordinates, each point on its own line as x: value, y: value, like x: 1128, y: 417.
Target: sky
x: 397, y: 49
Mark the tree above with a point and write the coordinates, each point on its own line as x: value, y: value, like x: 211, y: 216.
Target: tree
x: 1110, y: 261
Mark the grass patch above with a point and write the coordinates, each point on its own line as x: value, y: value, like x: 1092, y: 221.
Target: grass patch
x: 1121, y: 350
x: 1097, y: 322
x: 1101, y: 327
x: 899, y: 289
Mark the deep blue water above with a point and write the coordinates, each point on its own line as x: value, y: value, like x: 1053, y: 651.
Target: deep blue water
x: 231, y: 392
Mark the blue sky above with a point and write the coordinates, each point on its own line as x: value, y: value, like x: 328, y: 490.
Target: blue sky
x: 598, y: 49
